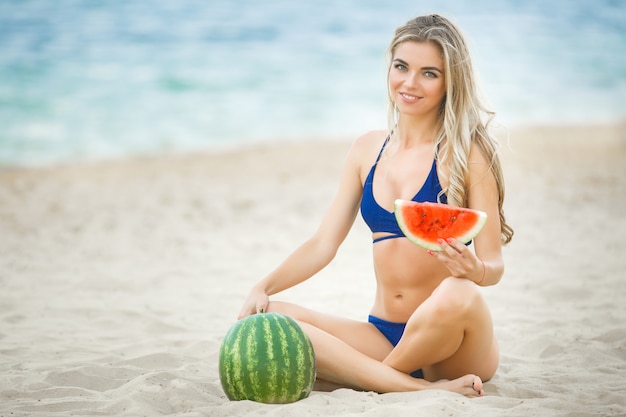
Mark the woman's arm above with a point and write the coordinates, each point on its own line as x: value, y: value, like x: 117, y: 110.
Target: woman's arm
x: 316, y: 252
x: 486, y: 266
x: 483, y: 195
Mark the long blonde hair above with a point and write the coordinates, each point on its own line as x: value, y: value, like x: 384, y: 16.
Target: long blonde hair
x: 464, y: 118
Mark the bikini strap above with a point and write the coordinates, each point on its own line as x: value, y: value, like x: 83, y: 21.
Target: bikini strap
x: 382, y: 148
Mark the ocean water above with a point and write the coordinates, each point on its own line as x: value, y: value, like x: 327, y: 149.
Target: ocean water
x: 88, y: 79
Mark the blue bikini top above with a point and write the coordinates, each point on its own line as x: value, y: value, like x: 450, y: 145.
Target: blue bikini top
x: 380, y: 220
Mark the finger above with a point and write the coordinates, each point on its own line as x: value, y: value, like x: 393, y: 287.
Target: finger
x: 243, y: 313
x: 443, y: 255
x: 448, y: 249
x: 450, y: 260
x: 261, y: 307
x: 466, y: 257
x: 456, y: 245
x: 440, y: 255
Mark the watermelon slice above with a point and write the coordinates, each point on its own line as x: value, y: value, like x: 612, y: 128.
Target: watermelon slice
x: 424, y: 223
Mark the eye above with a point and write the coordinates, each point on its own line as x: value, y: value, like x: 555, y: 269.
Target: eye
x: 400, y: 67
x: 430, y: 74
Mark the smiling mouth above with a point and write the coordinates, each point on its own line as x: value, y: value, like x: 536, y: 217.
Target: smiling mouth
x: 409, y: 97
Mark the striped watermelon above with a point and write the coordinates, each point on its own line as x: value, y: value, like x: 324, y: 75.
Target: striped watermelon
x: 424, y: 223
x: 267, y: 358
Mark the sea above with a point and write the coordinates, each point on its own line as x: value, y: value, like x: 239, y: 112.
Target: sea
x: 98, y: 79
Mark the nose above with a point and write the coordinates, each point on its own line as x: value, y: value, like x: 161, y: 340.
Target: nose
x: 412, y: 80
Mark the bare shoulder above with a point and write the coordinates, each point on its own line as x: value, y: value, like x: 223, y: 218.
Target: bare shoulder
x: 365, y: 149
x: 369, y: 144
x: 372, y: 136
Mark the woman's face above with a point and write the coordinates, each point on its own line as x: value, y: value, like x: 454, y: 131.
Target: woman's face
x: 416, y: 78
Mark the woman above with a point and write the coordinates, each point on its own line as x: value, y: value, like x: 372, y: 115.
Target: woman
x: 429, y: 326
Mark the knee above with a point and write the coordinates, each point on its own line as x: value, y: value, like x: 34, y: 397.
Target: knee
x: 454, y: 299
x: 280, y: 307
x: 290, y: 310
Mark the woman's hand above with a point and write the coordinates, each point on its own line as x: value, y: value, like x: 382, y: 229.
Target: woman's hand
x: 256, y: 302
x: 460, y: 261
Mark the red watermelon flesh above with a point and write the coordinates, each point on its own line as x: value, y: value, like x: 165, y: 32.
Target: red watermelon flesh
x: 424, y: 223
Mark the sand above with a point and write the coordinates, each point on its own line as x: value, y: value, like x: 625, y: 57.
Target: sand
x: 119, y: 279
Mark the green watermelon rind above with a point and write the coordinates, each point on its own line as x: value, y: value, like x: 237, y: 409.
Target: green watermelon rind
x: 249, y: 360
x: 429, y: 245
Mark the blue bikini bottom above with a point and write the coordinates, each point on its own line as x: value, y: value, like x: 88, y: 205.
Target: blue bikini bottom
x: 393, y: 332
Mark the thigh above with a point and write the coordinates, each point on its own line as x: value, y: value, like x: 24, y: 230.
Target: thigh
x: 459, y: 306
x: 361, y: 336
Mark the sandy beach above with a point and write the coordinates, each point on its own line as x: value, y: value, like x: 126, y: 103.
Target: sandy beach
x: 120, y: 278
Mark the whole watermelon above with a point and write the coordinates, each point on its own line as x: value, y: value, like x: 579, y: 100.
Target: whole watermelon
x: 267, y: 358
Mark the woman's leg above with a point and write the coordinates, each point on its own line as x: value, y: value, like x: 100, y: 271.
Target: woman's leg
x: 449, y: 335
x: 359, y: 335
x: 349, y: 353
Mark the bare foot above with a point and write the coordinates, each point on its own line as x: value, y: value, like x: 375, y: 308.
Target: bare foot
x: 468, y: 385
